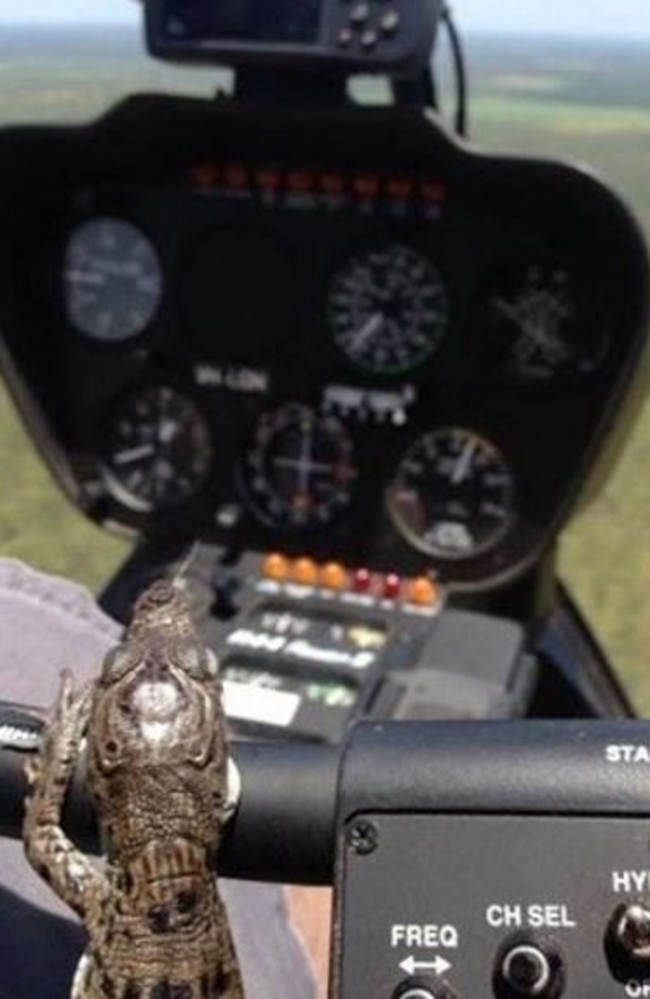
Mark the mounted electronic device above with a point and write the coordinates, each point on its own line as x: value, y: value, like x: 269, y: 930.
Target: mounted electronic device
x: 344, y: 36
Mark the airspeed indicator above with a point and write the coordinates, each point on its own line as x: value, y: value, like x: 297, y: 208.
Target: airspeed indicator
x: 453, y: 494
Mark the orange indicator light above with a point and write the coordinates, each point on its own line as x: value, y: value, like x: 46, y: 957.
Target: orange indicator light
x: 332, y: 183
x: 300, y: 180
x: 366, y: 185
x: 423, y: 592
x: 205, y: 175
x: 334, y: 576
x: 275, y: 567
x: 304, y: 571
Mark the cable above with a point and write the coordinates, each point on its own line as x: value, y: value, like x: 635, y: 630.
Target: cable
x: 460, y: 121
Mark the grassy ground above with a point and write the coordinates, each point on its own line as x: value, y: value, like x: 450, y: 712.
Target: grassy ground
x: 605, y: 555
x: 552, y: 99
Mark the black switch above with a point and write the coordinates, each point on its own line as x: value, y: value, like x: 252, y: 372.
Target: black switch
x: 627, y: 942
x: 225, y: 587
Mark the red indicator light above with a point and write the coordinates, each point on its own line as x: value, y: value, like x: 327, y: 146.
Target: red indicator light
x: 332, y: 183
x: 392, y: 586
x: 301, y: 181
x: 205, y: 175
x: 400, y: 187
x: 433, y: 190
x: 236, y: 176
x: 268, y: 180
x: 362, y: 580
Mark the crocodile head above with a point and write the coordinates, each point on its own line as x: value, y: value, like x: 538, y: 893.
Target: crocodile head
x: 158, y: 697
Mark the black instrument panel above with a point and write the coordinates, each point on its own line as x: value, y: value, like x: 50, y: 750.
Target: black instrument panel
x: 347, y: 337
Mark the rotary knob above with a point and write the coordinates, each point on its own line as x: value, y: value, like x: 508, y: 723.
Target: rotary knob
x: 423, y: 988
x: 528, y: 967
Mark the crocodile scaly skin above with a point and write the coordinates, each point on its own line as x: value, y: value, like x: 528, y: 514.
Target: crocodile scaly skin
x: 157, y: 769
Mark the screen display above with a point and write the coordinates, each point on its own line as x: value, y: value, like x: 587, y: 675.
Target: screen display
x: 281, y: 21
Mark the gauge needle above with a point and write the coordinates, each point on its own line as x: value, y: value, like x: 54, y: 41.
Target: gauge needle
x: 130, y: 455
x: 464, y: 463
x: 367, y: 331
x: 536, y: 327
x: 302, y: 465
x: 305, y: 458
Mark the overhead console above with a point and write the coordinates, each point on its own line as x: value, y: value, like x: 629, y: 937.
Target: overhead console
x: 371, y: 345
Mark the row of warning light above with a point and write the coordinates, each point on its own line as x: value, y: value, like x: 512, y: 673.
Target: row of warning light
x: 420, y: 591
x: 238, y: 177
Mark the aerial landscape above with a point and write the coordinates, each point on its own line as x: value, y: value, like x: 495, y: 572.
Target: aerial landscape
x: 582, y: 99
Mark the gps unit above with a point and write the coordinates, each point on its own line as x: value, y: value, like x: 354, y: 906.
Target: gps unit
x: 342, y: 36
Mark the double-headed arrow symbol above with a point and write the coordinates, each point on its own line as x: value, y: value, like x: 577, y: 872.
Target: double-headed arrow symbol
x: 439, y: 966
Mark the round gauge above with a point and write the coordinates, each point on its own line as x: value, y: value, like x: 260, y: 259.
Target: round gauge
x: 112, y: 280
x: 388, y: 310
x: 158, y: 449
x: 300, y: 467
x: 453, y: 494
x: 539, y: 328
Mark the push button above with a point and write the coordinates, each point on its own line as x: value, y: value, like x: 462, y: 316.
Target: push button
x: 390, y: 22
x: 369, y: 40
x: 345, y: 38
x: 360, y: 14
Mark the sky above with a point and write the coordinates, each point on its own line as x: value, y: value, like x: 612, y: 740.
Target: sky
x: 621, y: 18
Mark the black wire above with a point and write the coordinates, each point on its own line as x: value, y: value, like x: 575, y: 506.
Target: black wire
x: 461, y: 123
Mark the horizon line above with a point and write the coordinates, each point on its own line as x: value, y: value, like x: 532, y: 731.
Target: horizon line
x: 467, y: 31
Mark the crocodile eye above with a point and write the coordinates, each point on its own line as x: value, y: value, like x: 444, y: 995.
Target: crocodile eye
x: 116, y: 665
x: 197, y: 661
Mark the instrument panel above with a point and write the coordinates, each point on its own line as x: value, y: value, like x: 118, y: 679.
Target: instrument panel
x: 358, y: 341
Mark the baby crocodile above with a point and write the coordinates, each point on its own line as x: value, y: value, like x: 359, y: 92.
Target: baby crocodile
x: 157, y: 768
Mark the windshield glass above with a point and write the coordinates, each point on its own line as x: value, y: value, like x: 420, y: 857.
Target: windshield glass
x: 543, y: 80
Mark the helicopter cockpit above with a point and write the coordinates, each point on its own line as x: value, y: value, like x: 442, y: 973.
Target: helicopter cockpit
x: 347, y: 377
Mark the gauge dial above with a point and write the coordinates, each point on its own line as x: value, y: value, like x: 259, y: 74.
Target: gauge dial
x: 453, y: 494
x: 112, y: 280
x: 158, y: 449
x: 299, y: 468
x: 388, y: 310
x: 540, y: 329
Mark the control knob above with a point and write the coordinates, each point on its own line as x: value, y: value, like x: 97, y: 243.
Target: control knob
x: 627, y: 941
x: 528, y: 967
x: 422, y: 987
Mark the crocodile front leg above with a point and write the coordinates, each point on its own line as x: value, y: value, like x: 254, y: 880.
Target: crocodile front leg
x: 52, y: 855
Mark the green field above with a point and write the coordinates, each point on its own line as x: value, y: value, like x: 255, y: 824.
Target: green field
x: 547, y: 96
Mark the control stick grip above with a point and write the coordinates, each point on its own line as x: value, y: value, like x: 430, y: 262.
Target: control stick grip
x: 283, y: 830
